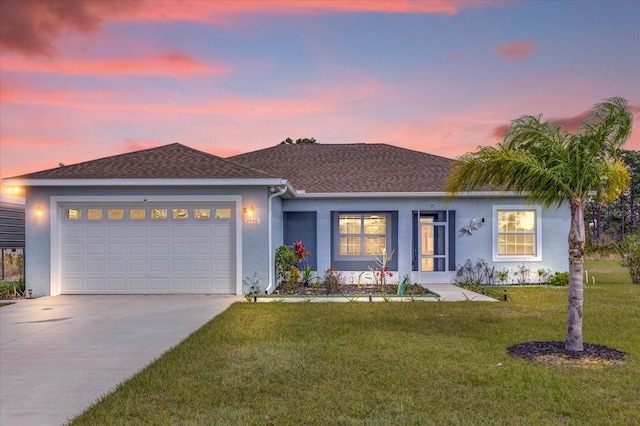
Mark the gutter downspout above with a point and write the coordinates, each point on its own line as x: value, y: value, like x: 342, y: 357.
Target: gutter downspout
x: 272, y: 264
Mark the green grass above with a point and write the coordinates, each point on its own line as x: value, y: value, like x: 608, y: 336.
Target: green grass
x: 391, y: 363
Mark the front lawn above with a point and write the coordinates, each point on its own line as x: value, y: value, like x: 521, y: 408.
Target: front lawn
x: 391, y: 363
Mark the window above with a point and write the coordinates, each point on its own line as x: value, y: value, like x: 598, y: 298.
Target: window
x: 74, y: 214
x: 137, y: 214
x: 202, y: 213
x: 94, y: 214
x: 115, y: 214
x: 362, y: 234
x: 517, y: 233
x: 223, y: 213
x: 180, y: 213
x: 158, y: 214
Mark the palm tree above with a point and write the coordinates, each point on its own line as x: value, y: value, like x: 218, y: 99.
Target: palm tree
x: 546, y: 164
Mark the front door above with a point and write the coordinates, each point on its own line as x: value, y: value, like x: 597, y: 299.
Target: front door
x: 432, y: 249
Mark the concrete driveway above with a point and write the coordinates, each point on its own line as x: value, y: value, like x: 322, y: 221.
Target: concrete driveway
x: 59, y: 354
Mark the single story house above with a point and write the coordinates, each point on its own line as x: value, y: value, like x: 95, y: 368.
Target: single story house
x: 173, y: 219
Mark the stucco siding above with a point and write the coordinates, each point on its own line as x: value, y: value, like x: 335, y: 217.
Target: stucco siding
x: 475, y: 246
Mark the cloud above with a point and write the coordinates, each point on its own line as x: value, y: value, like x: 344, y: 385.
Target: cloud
x: 33, y: 27
x: 516, y: 50
x: 175, y: 64
x: 570, y: 124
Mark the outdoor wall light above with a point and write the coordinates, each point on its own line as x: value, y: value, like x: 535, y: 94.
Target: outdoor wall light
x: 12, y: 190
x: 39, y: 211
x: 248, y: 211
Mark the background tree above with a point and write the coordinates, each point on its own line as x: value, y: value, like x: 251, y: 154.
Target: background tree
x: 612, y: 222
x: 289, y: 141
x: 546, y: 164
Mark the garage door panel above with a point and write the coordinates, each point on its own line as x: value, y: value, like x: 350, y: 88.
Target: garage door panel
x: 137, y: 265
x: 73, y: 284
x: 137, y: 232
x: 95, y: 266
x: 119, y: 254
x: 73, y: 231
x: 180, y: 231
x: 137, y: 249
x: 202, y: 249
x: 95, y: 284
x: 116, y: 232
x: 159, y: 284
x: 95, y: 249
x: 222, y: 249
x: 117, y: 266
x: 203, y: 284
x: 116, y: 284
x: 222, y: 232
x: 180, y: 284
x: 202, y: 232
x: 161, y: 249
x: 138, y: 284
x: 74, y: 266
x: 74, y: 249
x: 159, y: 265
x: 202, y: 265
x: 95, y: 232
x: 179, y: 249
x: 159, y: 232
x: 180, y: 265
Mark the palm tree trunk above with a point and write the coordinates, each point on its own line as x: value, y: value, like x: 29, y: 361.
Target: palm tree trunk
x: 576, y: 271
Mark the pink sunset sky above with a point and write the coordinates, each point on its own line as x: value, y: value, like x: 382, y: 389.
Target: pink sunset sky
x: 85, y: 79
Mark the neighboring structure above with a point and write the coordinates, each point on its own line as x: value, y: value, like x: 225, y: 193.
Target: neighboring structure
x: 11, y: 238
x: 176, y: 220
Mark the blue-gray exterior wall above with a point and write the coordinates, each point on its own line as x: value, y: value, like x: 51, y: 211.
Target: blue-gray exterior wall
x: 260, y: 238
x: 555, y: 227
x: 40, y: 273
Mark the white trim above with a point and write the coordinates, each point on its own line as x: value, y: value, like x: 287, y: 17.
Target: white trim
x: 494, y: 233
x: 271, y: 285
x: 486, y: 194
x: 145, y: 182
x: 56, y: 216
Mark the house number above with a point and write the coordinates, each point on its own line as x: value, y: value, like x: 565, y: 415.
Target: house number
x: 252, y: 221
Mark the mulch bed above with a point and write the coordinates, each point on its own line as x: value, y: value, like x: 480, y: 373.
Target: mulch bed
x: 553, y: 352
x: 352, y: 289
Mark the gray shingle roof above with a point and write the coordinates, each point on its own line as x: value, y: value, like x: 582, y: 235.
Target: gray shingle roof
x: 314, y: 168
x: 332, y: 168
x: 174, y: 161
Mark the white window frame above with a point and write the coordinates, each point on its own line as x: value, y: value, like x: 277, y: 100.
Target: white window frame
x: 338, y: 256
x: 538, y: 234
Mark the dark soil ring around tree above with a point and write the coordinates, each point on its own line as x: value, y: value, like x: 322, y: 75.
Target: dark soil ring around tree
x: 554, y: 353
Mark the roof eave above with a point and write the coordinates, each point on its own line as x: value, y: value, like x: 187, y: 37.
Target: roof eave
x: 146, y: 182
x: 474, y: 194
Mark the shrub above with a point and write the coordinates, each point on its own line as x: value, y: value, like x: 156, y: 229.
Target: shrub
x: 630, y: 256
x: 478, y: 273
x: 332, y: 280
x: 285, y: 259
x: 559, y: 279
x: 12, y: 290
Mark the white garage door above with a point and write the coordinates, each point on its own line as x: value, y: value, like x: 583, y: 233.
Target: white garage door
x: 148, y: 248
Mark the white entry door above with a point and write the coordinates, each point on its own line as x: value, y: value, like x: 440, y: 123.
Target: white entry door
x: 147, y: 248
x: 433, y: 248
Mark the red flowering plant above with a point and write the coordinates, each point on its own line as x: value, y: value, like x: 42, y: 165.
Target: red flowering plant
x: 381, y: 272
x: 308, y: 277
x: 300, y: 251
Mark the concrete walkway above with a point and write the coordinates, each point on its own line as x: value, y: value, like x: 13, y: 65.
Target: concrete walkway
x: 453, y: 293
x: 59, y: 354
